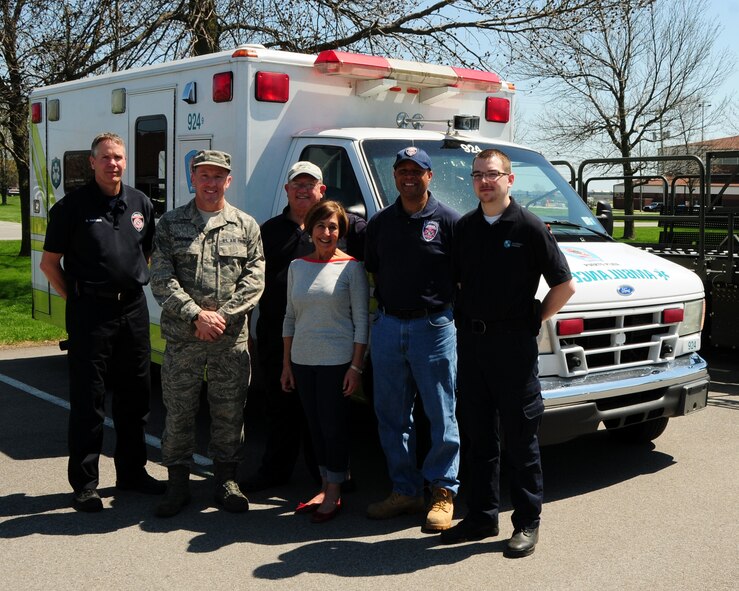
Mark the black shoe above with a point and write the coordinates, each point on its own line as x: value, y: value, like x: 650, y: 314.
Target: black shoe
x: 143, y: 483
x: 259, y: 481
x: 522, y: 543
x: 87, y: 500
x: 467, y: 531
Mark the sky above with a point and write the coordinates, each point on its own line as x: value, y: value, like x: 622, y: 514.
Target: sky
x: 725, y: 12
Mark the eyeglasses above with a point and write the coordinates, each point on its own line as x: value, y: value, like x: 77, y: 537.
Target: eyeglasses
x: 306, y: 186
x: 492, y: 175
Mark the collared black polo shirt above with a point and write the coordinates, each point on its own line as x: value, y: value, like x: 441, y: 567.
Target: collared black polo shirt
x: 499, y: 266
x: 105, y: 241
x: 284, y: 241
x: 411, y: 255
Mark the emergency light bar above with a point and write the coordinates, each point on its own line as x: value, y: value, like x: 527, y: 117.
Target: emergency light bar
x: 368, y: 67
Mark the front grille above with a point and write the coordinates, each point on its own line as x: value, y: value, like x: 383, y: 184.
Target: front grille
x: 617, y: 339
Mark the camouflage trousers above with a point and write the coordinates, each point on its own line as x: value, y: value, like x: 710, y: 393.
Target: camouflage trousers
x: 183, y: 370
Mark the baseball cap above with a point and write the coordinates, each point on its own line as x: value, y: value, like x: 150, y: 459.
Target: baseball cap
x: 212, y: 157
x: 305, y: 167
x: 413, y: 154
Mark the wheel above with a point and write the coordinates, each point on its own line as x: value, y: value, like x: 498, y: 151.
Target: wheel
x: 641, y: 432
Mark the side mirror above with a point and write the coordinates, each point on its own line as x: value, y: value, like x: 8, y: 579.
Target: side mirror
x: 604, y: 213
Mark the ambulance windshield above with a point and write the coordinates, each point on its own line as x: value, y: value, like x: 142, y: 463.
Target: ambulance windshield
x: 538, y: 186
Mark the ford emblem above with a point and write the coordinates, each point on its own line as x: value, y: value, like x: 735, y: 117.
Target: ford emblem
x: 625, y: 290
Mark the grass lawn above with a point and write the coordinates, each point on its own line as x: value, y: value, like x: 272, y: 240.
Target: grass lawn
x: 11, y: 212
x: 18, y: 326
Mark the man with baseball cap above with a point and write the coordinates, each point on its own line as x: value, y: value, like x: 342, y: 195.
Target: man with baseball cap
x: 207, y: 274
x: 284, y: 240
x: 409, y: 252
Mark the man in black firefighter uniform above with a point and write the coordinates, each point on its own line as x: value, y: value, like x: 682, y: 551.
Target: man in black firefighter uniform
x: 501, y: 253
x: 104, y: 232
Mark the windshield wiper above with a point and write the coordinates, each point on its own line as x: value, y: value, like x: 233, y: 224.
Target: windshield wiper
x: 570, y: 224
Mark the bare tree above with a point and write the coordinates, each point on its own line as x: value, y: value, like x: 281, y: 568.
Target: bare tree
x: 60, y: 40
x: 463, y: 30
x: 628, y: 75
x: 44, y: 43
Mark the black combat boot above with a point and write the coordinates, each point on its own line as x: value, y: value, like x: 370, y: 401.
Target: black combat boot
x: 178, y: 492
x: 228, y: 494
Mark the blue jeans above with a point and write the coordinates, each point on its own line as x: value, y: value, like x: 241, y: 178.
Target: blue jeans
x: 410, y: 356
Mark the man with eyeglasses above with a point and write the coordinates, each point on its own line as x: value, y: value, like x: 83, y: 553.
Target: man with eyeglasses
x: 284, y: 240
x: 409, y: 252
x: 501, y: 251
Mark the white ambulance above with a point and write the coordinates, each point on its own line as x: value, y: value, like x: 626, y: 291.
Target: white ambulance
x: 621, y: 355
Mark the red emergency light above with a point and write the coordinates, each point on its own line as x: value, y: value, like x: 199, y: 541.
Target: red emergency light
x: 369, y: 67
x: 570, y: 326
x: 223, y: 87
x: 272, y: 87
x: 352, y: 65
x: 477, y: 80
x: 36, y: 113
x: 672, y: 315
x: 497, y: 109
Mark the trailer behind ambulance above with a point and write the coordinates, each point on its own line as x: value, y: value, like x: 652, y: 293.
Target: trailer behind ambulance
x: 623, y: 353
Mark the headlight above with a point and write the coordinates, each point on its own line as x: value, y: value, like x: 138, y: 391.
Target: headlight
x: 693, y: 317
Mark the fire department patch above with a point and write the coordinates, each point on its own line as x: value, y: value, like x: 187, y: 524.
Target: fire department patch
x: 430, y: 230
x: 137, y: 220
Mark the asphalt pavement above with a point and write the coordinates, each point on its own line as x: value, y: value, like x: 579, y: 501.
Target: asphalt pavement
x: 654, y: 517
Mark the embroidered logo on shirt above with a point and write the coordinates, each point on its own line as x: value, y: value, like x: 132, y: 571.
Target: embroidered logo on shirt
x: 430, y: 230
x: 137, y: 220
x: 94, y: 220
x: 509, y: 244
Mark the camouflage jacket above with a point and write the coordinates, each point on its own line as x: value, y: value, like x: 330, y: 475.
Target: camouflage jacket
x: 215, y: 266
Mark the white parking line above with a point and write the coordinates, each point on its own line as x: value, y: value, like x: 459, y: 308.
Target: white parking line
x: 60, y: 402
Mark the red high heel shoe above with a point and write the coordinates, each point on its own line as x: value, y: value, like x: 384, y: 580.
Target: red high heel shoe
x: 304, y: 508
x: 319, y: 517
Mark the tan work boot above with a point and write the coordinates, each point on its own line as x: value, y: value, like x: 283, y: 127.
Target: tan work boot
x: 441, y: 510
x: 396, y: 504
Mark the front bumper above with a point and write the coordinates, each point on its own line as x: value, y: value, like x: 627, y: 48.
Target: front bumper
x: 576, y: 406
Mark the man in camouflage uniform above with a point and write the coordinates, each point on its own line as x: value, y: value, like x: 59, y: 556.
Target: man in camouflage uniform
x: 207, y: 274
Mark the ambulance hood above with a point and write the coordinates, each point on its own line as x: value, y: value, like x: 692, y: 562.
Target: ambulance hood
x: 608, y: 271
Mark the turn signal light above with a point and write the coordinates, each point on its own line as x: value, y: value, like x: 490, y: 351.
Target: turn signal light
x: 36, y: 113
x: 672, y: 315
x: 223, y: 87
x: 570, y: 326
x: 272, y: 87
x: 497, y: 109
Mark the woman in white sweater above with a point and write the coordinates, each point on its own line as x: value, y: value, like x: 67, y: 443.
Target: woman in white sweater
x: 325, y: 336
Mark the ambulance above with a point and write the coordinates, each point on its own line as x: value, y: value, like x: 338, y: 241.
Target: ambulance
x: 622, y: 354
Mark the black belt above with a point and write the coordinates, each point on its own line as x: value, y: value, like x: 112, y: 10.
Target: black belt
x: 410, y: 314
x: 109, y: 294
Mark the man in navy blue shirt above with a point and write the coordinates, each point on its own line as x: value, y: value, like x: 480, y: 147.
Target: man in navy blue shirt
x: 501, y: 252
x: 104, y: 233
x: 409, y: 252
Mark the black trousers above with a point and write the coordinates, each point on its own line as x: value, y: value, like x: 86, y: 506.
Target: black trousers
x: 286, y: 422
x: 499, y: 396
x: 109, y: 348
x: 327, y: 411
